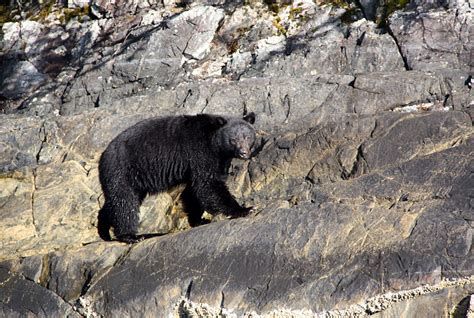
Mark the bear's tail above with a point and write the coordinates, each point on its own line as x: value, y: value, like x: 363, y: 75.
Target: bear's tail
x: 103, y: 224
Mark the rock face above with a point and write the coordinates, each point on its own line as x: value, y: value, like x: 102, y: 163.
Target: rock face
x: 362, y: 181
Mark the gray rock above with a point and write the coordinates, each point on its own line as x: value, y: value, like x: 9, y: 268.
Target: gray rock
x: 411, y: 191
x: 22, y: 297
x: 407, y: 137
x: 70, y: 275
x: 373, y: 92
x: 78, y: 3
x: 20, y: 37
x: 343, y: 149
x: 453, y: 4
x: 149, y: 56
x: 11, y: 36
x: 21, y: 141
x: 18, y: 79
x: 435, y: 39
x: 270, y: 266
x: 370, y: 8
x: 107, y: 9
x: 238, y: 63
x: 327, y: 49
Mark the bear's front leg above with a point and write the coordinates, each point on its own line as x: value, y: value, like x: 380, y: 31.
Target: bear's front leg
x: 214, y: 197
x: 192, y: 207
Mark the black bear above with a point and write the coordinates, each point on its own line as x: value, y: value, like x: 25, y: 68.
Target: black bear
x: 158, y: 153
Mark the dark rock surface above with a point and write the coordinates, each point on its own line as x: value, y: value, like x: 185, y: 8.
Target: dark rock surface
x: 362, y: 182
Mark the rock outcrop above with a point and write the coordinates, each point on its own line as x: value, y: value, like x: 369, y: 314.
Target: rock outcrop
x: 362, y: 181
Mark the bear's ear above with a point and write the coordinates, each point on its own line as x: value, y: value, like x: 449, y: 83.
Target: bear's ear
x: 211, y: 121
x: 250, y: 118
x: 220, y: 121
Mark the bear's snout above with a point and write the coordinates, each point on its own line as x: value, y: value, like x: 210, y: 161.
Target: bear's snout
x: 244, y: 154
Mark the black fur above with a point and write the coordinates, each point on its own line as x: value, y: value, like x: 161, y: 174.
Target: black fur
x: 158, y: 153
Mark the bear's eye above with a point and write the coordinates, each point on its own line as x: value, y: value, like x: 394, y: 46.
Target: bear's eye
x: 233, y: 141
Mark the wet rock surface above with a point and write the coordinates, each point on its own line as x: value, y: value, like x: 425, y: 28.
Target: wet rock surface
x: 362, y: 179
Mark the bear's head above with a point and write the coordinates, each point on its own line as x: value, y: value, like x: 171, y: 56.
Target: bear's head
x: 236, y: 137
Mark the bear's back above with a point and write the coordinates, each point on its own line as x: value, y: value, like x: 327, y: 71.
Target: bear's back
x: 168, y: 131
x: 156, y: 153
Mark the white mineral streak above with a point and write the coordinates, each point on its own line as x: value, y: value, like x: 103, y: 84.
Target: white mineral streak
x: 372, y: 305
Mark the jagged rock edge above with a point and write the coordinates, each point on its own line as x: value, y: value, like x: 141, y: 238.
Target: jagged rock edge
x: 71, y: 307
x: 187, y: 308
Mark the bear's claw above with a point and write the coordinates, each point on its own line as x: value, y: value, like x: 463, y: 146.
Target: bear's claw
x: 130, y: 238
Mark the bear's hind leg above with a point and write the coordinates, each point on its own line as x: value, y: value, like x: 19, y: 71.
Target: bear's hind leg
x: 123, y: 214
x: 104, y: 222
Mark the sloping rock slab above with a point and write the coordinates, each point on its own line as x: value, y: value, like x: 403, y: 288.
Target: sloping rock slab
x: 21, y: 297
x: 50, y: 193
x: 339, y: 252
x: 149, y: 56
x: 435, y: 39
x: 396, y: 227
